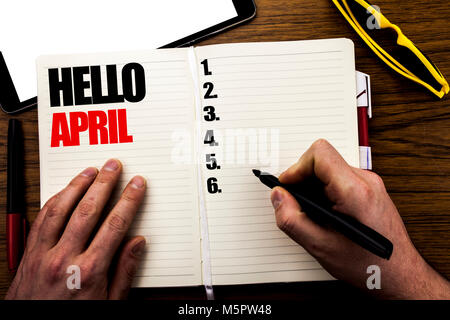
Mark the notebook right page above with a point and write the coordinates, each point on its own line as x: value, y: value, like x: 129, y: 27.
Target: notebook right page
x: 263, y: 105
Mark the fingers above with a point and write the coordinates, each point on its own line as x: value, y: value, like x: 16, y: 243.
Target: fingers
x: 88, y: 211
x: 126, y: 268
x: 112, y: 231
x: 292, y: 221
x: 320, y: 160
x: 56, y: 214
x: 347, y: 189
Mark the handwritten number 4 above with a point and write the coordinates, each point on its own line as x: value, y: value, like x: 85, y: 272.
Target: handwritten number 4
x: 209, y: 138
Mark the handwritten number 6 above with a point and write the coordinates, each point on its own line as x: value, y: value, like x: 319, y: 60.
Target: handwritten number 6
x: 213, y: 187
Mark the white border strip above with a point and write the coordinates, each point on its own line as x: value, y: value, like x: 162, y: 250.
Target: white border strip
x: 206, y: 255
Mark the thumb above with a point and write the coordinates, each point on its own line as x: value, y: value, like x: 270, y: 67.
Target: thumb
x: 295, y: 223
x: 126, y: 268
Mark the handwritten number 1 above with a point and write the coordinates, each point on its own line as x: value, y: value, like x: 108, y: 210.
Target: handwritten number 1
x: 206, y: 68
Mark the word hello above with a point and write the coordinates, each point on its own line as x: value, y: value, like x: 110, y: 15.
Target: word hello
x: 73, y: 85
x: 110, y: 126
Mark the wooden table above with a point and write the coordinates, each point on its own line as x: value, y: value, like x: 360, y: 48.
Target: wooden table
x: 410, y: 134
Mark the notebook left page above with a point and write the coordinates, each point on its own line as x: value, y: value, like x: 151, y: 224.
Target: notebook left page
x: 134, y: 107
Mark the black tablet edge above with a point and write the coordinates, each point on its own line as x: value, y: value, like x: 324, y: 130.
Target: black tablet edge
x: 9, y: 99
x: 246, y: 11
x: 8, y: 95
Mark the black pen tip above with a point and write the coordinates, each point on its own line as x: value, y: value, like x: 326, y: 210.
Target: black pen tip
x: 256, y: 172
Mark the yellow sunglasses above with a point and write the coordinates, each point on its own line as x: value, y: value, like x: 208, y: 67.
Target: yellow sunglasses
x: 430, y: 76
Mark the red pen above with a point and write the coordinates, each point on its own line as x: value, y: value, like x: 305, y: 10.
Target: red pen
x: 16, y: 223
x: 364, y: 113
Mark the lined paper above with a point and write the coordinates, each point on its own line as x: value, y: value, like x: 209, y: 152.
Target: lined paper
x: 169, y: 216
x: 277, y: 98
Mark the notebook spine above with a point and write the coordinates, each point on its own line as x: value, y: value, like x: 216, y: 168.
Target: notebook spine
x: 205, y: 247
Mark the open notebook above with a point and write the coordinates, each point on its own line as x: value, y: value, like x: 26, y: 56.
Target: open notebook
x: 194, y: 122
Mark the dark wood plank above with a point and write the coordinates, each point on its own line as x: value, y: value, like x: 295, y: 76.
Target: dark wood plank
x: 410, y: 134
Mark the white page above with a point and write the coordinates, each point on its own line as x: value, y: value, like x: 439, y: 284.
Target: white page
x: 32, y: 28
x: 284, y: 96
x: 169, y: 216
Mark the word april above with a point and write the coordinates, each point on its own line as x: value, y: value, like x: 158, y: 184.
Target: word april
x: 110, y: 126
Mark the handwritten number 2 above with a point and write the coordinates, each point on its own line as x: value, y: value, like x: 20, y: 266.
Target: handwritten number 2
x: 209, y: 86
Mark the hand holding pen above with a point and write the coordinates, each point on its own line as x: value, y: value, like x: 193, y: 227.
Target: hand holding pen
x: 318, y: 208
x: 361, y: 195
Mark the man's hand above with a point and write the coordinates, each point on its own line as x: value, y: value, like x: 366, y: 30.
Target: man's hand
x: 362, y: 195
x: 62, y: 236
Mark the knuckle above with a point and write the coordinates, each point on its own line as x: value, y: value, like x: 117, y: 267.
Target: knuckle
x: 320, y: 144
x: 53, y: 211
x: 285, y: 222
x: 376, y: 180
x: 356, y: 187
x: 75, y: 184
x: 365, y: 191
x: 130, y: 270
x: 350, y: 189
x: 55, y: 268
x: 319, y: 248
x: 89, y: 271
x: 315, y: 248
x: 116, y: 223
x: 104, y: 178
x: 130, y: 196
x: 50, y: 202
x: 86, y: 208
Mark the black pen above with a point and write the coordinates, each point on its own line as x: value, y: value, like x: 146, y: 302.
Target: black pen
x: 307, y: 195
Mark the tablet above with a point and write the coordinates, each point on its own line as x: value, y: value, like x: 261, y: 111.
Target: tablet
x: 32, y: 28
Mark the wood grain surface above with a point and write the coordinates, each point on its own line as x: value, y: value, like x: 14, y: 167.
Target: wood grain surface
x: 410, y: 135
